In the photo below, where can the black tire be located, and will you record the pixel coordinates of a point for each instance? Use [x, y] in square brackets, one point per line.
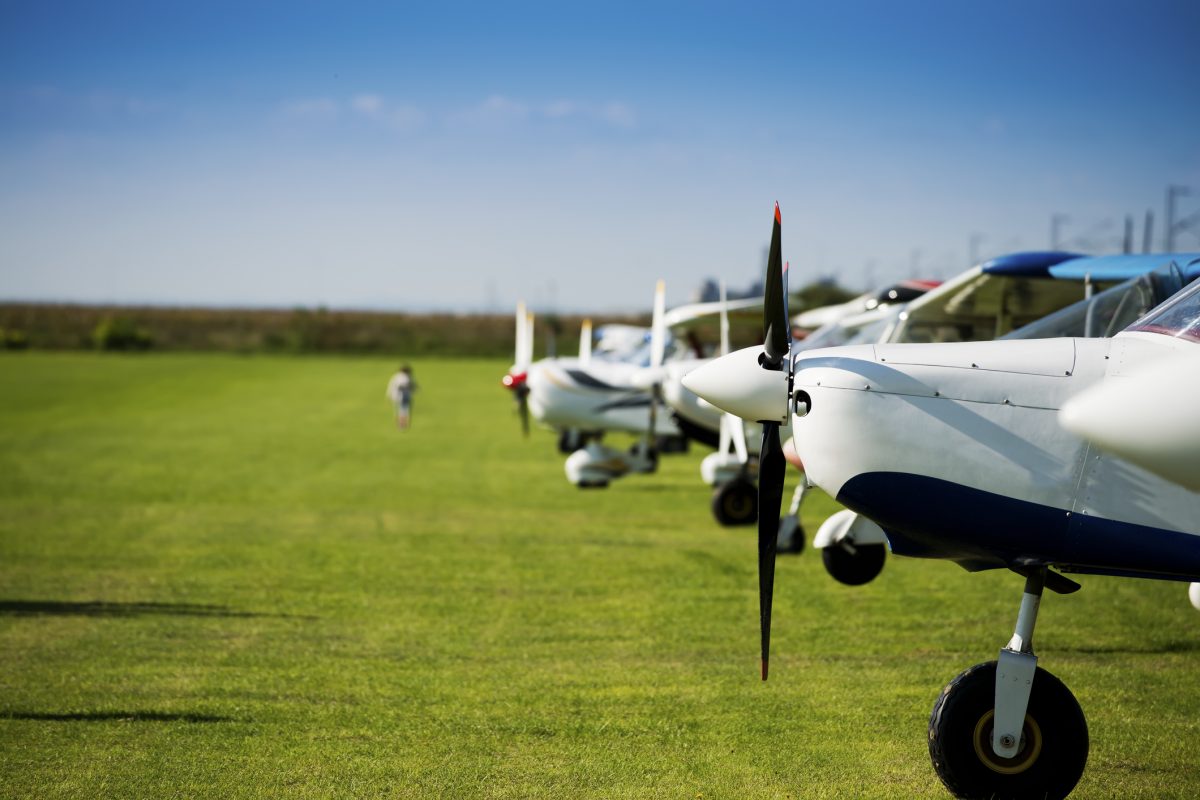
[735, 502]
[857, 568]
[797, 545]
[671, 444]
[636, 450]
[592, 484]
[1054, 741]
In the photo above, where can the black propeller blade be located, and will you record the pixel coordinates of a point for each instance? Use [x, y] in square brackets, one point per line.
[776, 345]
[770, 496]
[775, 322]
[523, 407]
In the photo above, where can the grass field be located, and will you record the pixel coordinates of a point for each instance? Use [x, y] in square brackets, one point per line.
[232, 577]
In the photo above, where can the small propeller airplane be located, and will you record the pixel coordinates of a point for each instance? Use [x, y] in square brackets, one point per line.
[886, 428]
[615, 387]
[853, 547]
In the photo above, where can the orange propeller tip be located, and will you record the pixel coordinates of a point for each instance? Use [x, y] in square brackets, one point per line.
[777, 219]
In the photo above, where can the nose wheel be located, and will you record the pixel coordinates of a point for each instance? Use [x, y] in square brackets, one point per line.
[854, 564]
[735, 502]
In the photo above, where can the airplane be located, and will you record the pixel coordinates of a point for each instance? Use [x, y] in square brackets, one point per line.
[610, 387]
[732, 470]
[901, 292]
[956, 452]
[852, 547]
[983, 302]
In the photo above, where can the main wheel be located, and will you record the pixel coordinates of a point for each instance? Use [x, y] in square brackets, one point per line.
[1053, 749]
[735, 502]
[854, 567]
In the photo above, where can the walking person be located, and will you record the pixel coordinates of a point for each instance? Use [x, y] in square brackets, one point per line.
[400, 390]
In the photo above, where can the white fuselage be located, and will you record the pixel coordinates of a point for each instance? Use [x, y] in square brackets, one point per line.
[956, 451]
[600, 396]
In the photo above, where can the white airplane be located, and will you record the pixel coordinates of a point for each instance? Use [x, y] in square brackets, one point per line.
[611, 387]
[732, 470]
[901, 292]
[982, 301]
[955, 450]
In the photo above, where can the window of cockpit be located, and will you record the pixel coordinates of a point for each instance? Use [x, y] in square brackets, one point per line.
[1178, 317]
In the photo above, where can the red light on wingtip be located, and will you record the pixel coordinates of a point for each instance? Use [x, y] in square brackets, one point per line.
[777, 219]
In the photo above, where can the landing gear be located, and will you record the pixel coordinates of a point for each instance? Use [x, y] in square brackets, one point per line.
[671, 444]
[1051, 751]
[791, 532]
[570, 440]
[643, 458]
[1008, 729]
[854, 564]
[735, 502]
[791, 535]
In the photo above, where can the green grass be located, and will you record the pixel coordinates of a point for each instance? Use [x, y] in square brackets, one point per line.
[232, 577]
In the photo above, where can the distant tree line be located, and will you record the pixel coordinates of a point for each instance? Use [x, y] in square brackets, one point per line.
[316, 330]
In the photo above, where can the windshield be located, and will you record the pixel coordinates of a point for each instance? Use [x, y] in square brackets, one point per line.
[858, 329]
[1110, 311]
[985, 308]
[620, 342]
[1178, 317]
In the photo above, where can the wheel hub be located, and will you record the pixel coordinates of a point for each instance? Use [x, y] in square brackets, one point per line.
[1028, 751]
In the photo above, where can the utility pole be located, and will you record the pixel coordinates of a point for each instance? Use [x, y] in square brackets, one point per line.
[1056, 223]
[1185, 224]
[973, 248]
[1147, 231]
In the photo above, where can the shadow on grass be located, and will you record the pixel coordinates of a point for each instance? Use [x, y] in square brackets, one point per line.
[113, 716]
[100, 608]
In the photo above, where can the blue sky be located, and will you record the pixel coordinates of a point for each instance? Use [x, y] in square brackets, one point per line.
[462, 156]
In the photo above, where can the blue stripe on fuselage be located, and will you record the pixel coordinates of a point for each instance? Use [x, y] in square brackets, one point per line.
[932, 518]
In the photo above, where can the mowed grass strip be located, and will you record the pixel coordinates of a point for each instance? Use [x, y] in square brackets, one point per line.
[231, 576]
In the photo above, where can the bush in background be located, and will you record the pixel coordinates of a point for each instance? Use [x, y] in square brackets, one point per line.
[120, 333]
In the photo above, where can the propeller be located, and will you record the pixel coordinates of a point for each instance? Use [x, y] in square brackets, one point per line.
[755, 384]
[658, 348]
[732, 429]
[517, 377]
[585, 343]
[776, 348]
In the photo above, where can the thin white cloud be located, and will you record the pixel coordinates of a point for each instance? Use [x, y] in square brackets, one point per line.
[498, 109]
[372, 107]
[618, 115]
[95, 103]
[398, 117]
[559, 109]
[368, 104]
[314, 108]
[405, 118]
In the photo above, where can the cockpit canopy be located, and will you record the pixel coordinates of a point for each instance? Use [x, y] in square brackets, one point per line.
[1178, 317]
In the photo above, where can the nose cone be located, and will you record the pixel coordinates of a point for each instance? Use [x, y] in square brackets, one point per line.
[737, 383]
